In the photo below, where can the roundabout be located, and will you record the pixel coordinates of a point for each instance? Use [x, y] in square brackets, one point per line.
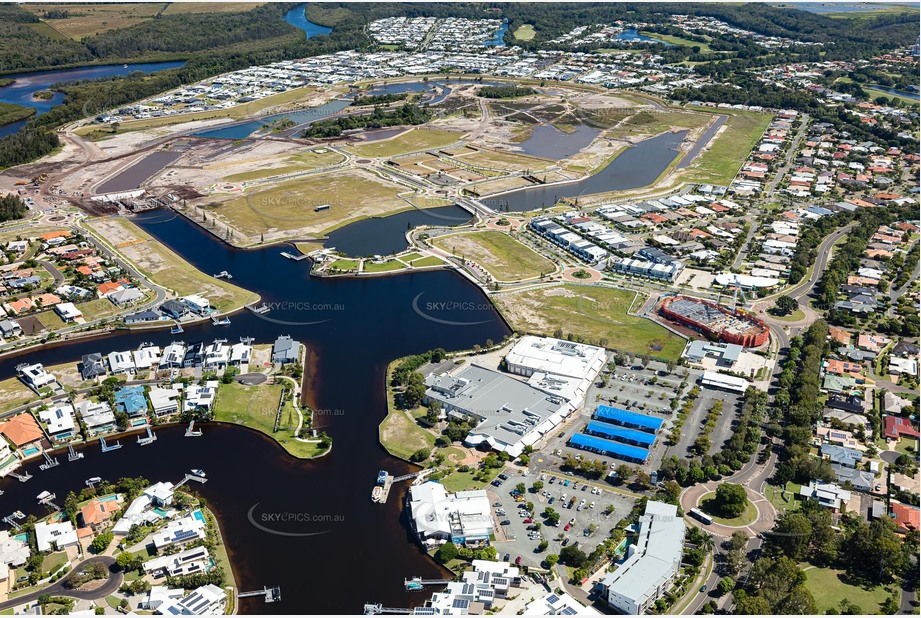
[757, 518]
[582, 275]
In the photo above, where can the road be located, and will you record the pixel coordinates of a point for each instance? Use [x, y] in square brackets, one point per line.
[788, 160]
[58, 589]
[895, 294]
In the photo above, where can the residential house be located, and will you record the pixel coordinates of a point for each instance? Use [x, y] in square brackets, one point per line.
[23, 431]
[120, 362]
[54, 536]
[59, 422]
[174, 309]
[200, 398]
[36, 378]
[165, 401]
[68, 312]
[96, 513]
[92, 366]
[97, 416]
[285, 350]
[861, 480]
[828, 495]
[131, 401]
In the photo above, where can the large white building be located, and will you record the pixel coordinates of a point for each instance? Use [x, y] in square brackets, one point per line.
[558, 604]
[208, 600]
[651, 563]
[476, 592]
[461, 518]
[555, 356]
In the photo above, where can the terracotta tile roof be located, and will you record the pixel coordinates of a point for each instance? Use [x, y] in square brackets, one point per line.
[22, 429]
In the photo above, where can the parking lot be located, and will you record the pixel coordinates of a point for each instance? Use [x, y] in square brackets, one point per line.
[590, 524]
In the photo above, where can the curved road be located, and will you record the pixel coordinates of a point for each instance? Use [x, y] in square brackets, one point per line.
[57, 589]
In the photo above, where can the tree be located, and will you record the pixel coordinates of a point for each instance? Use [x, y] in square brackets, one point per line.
[128, 562]
[551, 560]
[520, 488]
[542, 546]
[421, 455]
[890, 606]
[101, 542]
[552, 517]
[446, 553]
[573, 556]
[786, 305]
[730, 499]
[537, 486]
[726, 585]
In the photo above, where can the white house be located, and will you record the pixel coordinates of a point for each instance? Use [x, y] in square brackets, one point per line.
[60, 421]
[198, 304]
[460, 518]
[164, 400]
[36, 377]
[207, 600]
[187, 562]
[97, 416]
[120, 362]
[146, 357]
[179, 531]
[54, 536]
[160, 494]
[200, 397]
[68, 311]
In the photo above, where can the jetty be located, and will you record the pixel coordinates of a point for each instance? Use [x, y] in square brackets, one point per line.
[271, 595]
[374, 609]
[219, 321]
[260, 310]
[296, 258]
[49, 462]
[223, 275]
[150, 438]
[191, 477]
[109, 447]
[22, 478]
[416, 583]
[11, 519]
[191, 432]
[73, 455]
[381, 491]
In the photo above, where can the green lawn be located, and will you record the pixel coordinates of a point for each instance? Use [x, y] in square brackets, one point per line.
[344, 265]
[461, 481]
[831, 586]
[255, 407]
[54, 561]
[398, 433]
[796, 316]
[411, 141]
[505, 258]
[598, 314]
[775, 495]
[428, 261]
[748, 516]
[381, 267]
[722, 159]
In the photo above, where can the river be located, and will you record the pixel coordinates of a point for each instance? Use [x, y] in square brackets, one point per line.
[20, 92]
[297, 18]
[353, 329]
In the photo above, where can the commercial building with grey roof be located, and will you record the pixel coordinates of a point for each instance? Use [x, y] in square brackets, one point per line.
[651, 564]
[510, 414]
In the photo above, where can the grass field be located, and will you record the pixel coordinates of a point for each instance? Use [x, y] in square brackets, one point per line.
[92, 19]
[505, 258]
[677, 40]
[166, 268]
[176, 8]
[345, 265]
[13, 393]
[774, 494]
[381, 267]
[400, 435]
[876, 92]
[411, 141]
[830, 586]
[255, 407]
[290, 205]
[599, 314]
[525, 32]
[649, 123]
[428, 261]
[298, 163]
[462, 481]
[720, 161]
[748, 516]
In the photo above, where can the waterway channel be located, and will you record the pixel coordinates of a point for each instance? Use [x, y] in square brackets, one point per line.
[353, 329]
[26, 85]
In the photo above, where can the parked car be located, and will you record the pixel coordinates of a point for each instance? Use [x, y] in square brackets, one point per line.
[566, 528]
[518, 560]
[507, 558]
[529, 521]
[505, 522]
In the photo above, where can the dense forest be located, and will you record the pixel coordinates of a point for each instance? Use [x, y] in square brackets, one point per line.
[12, 207]
[379, 99]
[505, 92]
[407, 114]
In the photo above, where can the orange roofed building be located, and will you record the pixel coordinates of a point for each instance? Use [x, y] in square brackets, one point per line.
[22, 430]
[97, 512]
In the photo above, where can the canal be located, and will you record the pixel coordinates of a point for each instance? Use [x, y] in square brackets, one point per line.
[637, 166]
[26, 85]
[353, 328]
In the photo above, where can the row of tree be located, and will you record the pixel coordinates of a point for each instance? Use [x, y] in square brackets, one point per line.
[406, 114]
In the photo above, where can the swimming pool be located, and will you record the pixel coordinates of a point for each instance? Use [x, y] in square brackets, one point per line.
[28, 452]
[198, 515]
[161, 512]
[108, 498]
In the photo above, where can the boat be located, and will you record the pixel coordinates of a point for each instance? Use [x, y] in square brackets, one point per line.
[44, 496]
[176, 329]
[198, 472]
[414, 586]
[223, 275]
[377, 493]
[220, 321]
[124, 66]
[381, 477]
[94, 480]
[19, 515]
